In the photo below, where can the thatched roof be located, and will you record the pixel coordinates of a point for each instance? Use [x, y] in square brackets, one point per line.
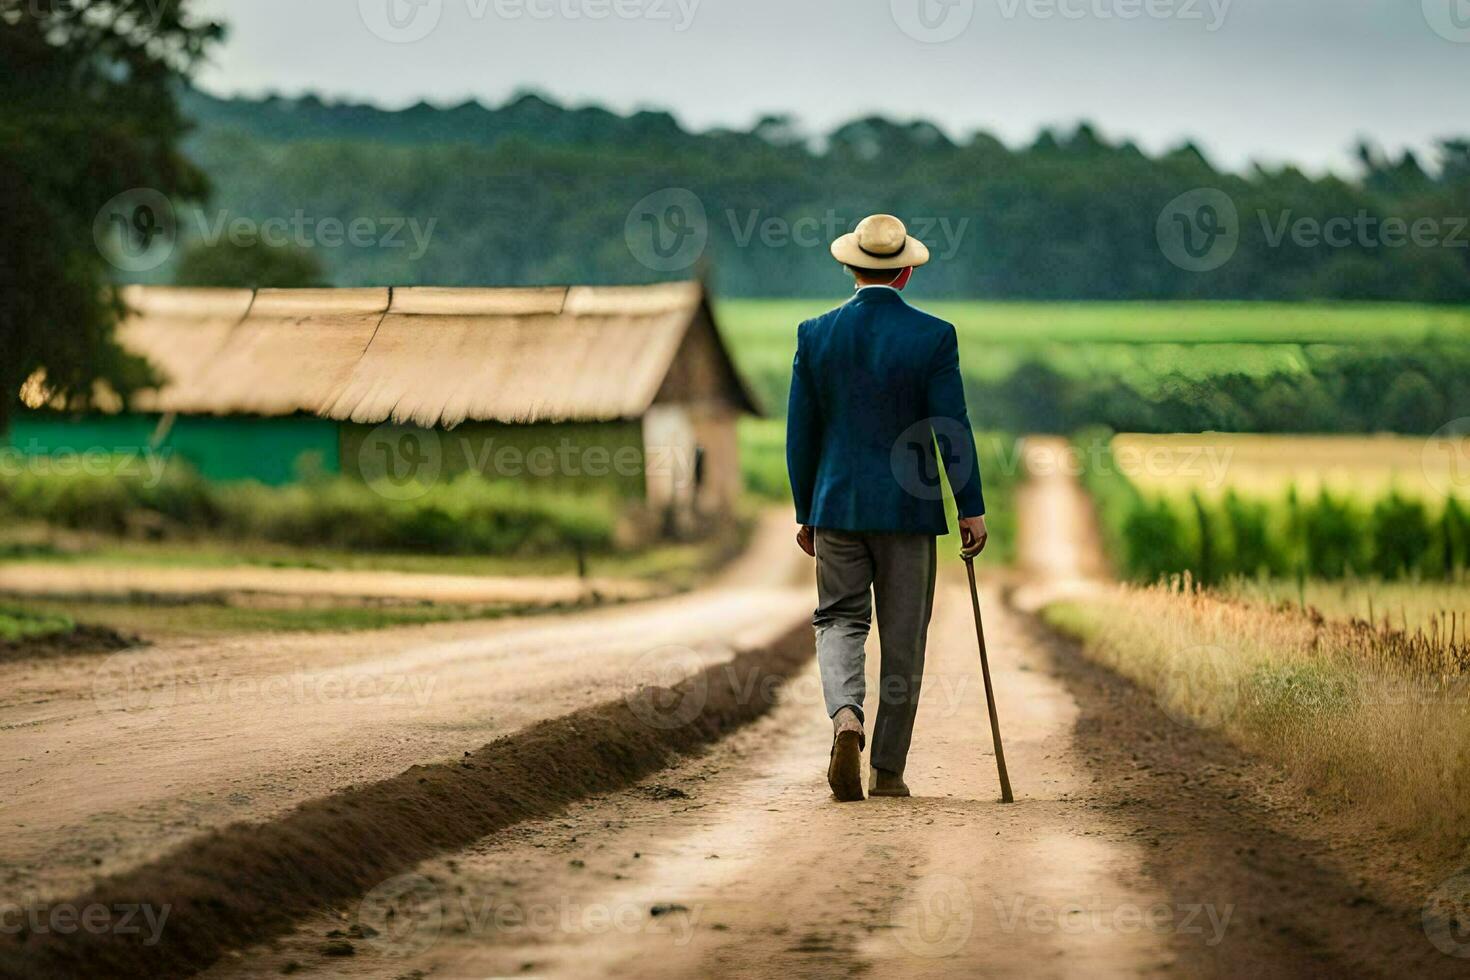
[422, 356]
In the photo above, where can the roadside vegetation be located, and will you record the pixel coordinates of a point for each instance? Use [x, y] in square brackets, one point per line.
[466, 526]
[1222, 507]
[153, 620]
[17, 625]
[1170, 367]
[1373, 718]
[1308, 598]
[464, 516]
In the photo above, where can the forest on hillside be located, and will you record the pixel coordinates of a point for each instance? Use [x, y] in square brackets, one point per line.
[533, 192]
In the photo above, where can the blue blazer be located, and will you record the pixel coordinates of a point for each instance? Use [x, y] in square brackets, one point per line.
[875, 386]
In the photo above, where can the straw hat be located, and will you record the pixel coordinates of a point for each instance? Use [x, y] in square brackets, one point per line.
[880, 242]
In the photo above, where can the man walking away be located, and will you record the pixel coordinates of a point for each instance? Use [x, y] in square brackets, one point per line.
[875, 385]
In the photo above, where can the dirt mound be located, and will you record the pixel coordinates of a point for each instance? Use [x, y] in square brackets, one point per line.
[249, 882]
[84, 639]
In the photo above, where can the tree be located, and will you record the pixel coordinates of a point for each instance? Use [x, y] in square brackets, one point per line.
[249, 266]
[91, 133]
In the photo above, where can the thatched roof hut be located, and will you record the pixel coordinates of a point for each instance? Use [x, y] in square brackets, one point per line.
[644, 361]
[426, 356]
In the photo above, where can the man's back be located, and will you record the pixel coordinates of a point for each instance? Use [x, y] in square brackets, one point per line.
[871, 379]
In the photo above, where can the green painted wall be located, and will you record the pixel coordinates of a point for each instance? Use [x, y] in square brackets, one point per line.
[271, 450]
[603, 457]
[594, 457]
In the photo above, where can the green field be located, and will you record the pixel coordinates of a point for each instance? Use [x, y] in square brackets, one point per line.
[1172, 367]
[1328, 507]
[764, 322]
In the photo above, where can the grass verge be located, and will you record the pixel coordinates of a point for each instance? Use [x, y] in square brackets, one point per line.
[1377, 721]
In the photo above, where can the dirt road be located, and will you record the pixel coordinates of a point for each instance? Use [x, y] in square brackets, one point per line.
[53, 580]
[767, 877]
[770, 878]
[1135, 847]
[111, 761]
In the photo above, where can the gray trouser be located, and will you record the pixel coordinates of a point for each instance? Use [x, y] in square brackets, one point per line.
[899, 569]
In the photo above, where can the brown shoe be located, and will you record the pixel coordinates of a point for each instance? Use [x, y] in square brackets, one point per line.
[845, 770]
[885, 783]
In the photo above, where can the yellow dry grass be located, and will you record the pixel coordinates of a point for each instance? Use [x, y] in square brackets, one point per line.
[1364, 467]
[1376, 723]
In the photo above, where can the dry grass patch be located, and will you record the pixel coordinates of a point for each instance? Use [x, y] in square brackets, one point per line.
[1378, 720]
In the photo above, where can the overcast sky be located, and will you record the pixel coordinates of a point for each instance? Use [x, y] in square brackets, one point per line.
[1270, 80]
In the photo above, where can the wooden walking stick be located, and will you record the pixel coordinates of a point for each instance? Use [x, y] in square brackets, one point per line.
[1000, 755]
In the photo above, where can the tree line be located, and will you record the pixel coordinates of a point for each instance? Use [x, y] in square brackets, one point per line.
[531, 192]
